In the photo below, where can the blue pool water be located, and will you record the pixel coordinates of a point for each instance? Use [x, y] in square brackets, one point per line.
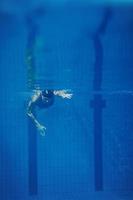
[87, 152]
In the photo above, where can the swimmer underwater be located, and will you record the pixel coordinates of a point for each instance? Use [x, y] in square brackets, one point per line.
[44, 99]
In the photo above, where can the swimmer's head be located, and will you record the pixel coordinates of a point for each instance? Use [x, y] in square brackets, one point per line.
[47, 92]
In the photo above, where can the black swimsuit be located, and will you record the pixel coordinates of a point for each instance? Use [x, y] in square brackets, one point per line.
[46, 99]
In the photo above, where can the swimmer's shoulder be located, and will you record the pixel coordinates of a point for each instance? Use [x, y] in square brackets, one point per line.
[36, 94]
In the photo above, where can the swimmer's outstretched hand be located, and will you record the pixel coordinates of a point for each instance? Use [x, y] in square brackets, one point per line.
[41, 129]
[64, 94]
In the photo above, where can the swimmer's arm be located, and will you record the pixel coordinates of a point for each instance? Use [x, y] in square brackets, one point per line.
[38, 125]
[30, 111]
[31, 103]
[30, 114]
[63, 93]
